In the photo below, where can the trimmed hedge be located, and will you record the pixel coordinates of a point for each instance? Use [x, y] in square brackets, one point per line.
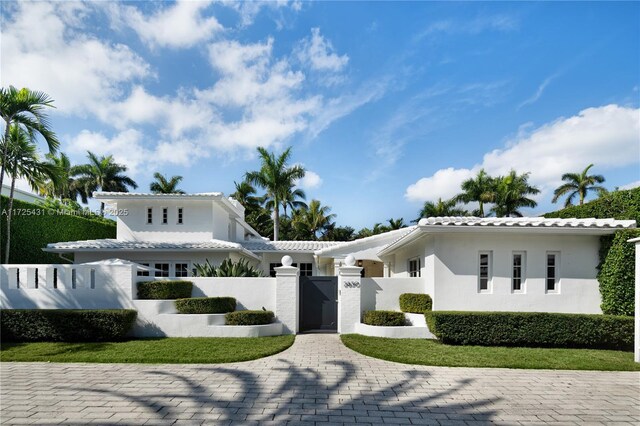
[616, 273]
[415, 303]
[624, 205]
[37, 226]
[166, 289]
[384, 318]
[206, 305]
[249, 318]
[534, 329]
[65, 325]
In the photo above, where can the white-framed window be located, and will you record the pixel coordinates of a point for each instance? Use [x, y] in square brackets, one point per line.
[272, 269]
[165, 215]
[552, 282]
[485, 271]
[182, 270]
[162, 269]
[306, 269]
[142, 273]
[149, 215]
[414, 267]
[180, 215]
[518, 271]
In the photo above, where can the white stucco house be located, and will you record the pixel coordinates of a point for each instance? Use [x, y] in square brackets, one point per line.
[464, 263]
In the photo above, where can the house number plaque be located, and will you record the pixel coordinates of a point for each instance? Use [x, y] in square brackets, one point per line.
[352, 284]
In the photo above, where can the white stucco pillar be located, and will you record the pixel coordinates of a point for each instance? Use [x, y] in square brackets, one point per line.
[636, 355]
[287, 295]
[349, 306]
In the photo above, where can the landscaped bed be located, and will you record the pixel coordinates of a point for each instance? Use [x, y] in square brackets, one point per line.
[431, 352]
[170, 350]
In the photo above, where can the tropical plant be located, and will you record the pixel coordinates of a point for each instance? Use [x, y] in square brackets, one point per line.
[245, 195]
[228, 268]
[396, 224]
[441, 208]
[66, 187]
[162, 185]
[275, 177]
[579, 184]
[480, 189]
[291, 197]
[511, 194]
[312, 220]
[339, 233]
[102, 173]
[26, 108]
[21, 161]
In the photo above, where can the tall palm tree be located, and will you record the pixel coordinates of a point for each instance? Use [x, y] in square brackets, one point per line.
[511, 194]
[162, 185]
[396, 224]
[579, 184]
[275, 177]
[66, 187]
[291, 197]
[102, 173]
[25, 107]
[313, 219]
[480, 189]
[21, 161]
[441, 208]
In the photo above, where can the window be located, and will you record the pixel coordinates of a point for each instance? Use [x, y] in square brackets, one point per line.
[414, 267]
[149, 215]
[272, 269]
[142, 273]
[484, 271]
[162, 269]
[180, 216]
[517, 274]
[306, 269]
[552, 272]
[165, 215]
[182, 270]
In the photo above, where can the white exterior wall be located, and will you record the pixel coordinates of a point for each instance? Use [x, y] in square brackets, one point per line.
[401, 262]
[198, 221]
[384, 293]
[456, 273]
[268, 258]
[221, 227]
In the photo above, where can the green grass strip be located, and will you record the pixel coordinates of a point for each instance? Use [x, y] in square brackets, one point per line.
[170, 350]
[430, 352]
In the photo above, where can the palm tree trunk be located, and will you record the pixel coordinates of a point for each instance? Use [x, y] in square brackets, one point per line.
[4, 150]
[481, 209]
[102, 209]
[276, 219]
[8, 245]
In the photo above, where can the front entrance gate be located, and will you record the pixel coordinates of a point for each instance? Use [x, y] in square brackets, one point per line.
[319, 303]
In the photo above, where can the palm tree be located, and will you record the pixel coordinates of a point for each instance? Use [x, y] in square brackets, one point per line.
[441, 208]
[162, 185]
[275, 177]
[291, 198]
[25, 107]
[578, 184]
[396, 224]
[21, 161]
[480, 189]
[313, 219]
[511, 194]
[66, 186]
[102, 173]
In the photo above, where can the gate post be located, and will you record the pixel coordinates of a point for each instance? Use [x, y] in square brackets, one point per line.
[348, 296]
[287, 295]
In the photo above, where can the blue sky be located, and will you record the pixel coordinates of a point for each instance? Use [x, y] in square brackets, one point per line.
[386, 104]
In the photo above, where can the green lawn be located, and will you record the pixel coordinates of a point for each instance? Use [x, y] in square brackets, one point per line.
[430, 352]
[174, 350]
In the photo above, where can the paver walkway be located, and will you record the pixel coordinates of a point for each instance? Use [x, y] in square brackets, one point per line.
[316, 381]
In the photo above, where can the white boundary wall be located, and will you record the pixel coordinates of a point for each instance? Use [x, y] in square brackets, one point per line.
[384, 293]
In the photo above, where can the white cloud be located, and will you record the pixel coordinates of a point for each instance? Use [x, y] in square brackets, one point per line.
[80, 72]
[311, 180]
[607, 136]
[631, 185]
[178, 26]
[319, 54]
[500, 23]
[538, 92]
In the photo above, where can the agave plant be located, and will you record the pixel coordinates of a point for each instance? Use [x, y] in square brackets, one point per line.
[228, 268]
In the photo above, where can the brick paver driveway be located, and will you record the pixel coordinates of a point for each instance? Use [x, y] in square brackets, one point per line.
[316, 381]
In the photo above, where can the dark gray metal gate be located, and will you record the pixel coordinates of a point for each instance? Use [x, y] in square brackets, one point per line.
[318, 303]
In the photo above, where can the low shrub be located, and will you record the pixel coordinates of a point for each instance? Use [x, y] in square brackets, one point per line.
[65, 325]
[384, 318]
[206, 305]
[535, 329]
[164, 289]
[415, 303]
[249, 318]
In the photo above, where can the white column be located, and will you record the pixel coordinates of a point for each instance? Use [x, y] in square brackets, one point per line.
[287, 295]
[636, 355]
[349, 306]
